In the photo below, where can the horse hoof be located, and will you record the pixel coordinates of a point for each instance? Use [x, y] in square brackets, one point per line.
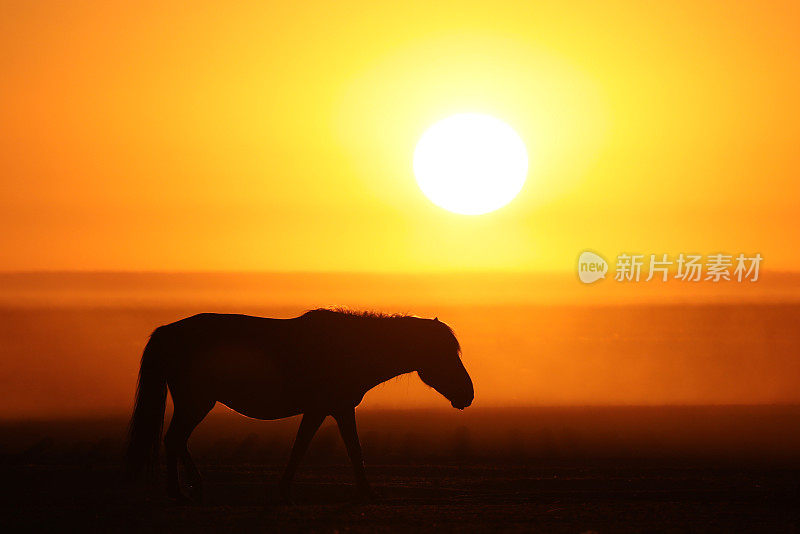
[179, 498]
[366, 496]
[196, 497]
[284, 498]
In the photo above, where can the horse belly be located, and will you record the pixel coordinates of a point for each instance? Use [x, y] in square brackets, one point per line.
[252, 383]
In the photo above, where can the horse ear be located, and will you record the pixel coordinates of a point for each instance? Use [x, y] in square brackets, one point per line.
[436, 319]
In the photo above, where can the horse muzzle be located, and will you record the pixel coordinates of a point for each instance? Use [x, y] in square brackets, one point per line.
[461, 404]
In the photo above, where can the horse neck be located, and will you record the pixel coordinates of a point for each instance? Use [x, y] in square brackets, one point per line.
[391, 355]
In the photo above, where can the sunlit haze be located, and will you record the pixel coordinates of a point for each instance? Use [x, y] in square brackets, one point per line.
[261, 136]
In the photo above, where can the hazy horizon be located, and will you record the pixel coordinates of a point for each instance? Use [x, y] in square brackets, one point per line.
[72, 342]
[373, 289]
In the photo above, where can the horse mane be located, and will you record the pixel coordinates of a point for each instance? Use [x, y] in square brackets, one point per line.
[373, 316]
[347, 313]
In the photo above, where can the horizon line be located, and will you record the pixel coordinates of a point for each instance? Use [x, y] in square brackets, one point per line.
[225, 411]
[320, 272]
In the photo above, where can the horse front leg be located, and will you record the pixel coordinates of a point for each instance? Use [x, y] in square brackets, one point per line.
[308, 427]
[346, 419]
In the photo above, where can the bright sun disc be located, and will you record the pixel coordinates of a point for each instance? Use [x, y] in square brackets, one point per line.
[470, 163]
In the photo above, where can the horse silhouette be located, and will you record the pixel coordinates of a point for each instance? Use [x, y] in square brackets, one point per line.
[318, 364]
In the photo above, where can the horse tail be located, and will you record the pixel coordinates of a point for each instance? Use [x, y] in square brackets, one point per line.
[147, 422]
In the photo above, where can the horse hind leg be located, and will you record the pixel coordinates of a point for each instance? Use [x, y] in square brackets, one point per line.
[308, 427]
[184, 420]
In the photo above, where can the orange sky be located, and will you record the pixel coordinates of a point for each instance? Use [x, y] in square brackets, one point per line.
[160, 136]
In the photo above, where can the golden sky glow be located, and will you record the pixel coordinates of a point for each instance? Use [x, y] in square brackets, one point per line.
[156, 136]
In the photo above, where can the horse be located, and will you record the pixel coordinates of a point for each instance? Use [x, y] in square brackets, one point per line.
[318, 364]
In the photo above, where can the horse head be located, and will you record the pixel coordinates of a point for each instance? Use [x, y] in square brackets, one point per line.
[440, 365]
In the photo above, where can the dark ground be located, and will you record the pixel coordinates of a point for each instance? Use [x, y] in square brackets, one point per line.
[702, 469]
[466, 498]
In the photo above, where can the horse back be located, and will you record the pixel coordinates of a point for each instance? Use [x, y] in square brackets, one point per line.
[262, 367]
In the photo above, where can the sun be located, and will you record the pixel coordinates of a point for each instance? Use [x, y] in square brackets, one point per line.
[470, 163]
